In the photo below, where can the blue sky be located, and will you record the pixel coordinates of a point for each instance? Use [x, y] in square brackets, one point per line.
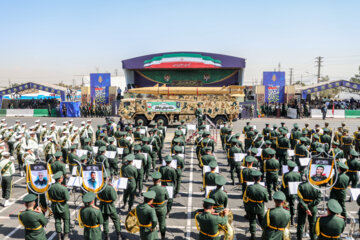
[56, 40]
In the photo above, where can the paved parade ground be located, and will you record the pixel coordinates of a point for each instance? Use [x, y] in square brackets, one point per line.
[180, 224]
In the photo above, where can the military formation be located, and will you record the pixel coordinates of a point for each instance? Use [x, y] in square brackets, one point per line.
[95, 110]
[258, 161]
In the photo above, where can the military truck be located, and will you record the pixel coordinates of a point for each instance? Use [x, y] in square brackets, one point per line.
[174, 108]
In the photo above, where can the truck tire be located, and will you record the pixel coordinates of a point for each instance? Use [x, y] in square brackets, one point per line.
[157, 118]
[219, 120]
[143, 118]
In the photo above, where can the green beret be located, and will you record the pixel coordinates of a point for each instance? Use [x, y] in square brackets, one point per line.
[168, 158]
[73, 147]
[237, 135]
[268, 142]
[156, 175]
[149, 195]
[335, 143]
[279, 195]
[260, 136]
[88, 197]
[343, 166]
[254, 150]
[326, 130]
[270, 151]
[296, 125]
[354, 153]
[29, 198]
[58, 175]
[87, 140]
[316, 136]
[320, 150]
[137, 147]
[220, 180]
[302, 139]
[177, 149]
[291, 164]
[209, 201]
[58, 154]
[206, 132]
[249, 159]
[130, 157]
[83, 158]
[334, 206]
[111, 139]
[102, 149]
[234, 140]
[145, 139]
[275, 126]
[256, 173]
[213, 164]
[127, 128]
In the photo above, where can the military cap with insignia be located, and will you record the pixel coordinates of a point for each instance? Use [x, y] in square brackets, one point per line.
[213, 164]
[343, 166]
[249, 159]
[302, 139]
[88, 197]
[168, 158]
[29, 198]
[234, 140]
[320, 150]
[111, 139]
[237, 135]
[149, 195]
[156, 175]
[275, 126]
[209, 201]
[220, 180]
[279, 195]
[58, 175]
[354, 153]
[334, 206]
[260, 136]
[102, 149]
[130, 157]
[177, 140]
[268, 142]
[291, 164]
[58, 154]
[145, 139]
[296, 125]
[83, 158]
[178, 133]
[137, 147]
[256, 173]
[316, 136]
[254, 150]
[177, 149]
[73, 147]
[127, 128]
[270, 151]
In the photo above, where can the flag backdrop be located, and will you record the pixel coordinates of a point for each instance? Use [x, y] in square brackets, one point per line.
[99, 85]
[274, 83]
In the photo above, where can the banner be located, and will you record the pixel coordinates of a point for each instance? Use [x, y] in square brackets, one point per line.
[92, 177]
[321, 170]
[99, 85]
[72, 109]
[163, 107]
[274, 83]
[38, 177]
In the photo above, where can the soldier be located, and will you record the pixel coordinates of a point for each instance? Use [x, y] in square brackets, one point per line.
[113, 162]
[295, 135]
[300, 151]
[219, 196]
[290, 176]
[101, 158]
[7, 169]
[141, 157]
[266, 131]
[130, 172]
[357, 139]
[49, 148]
[283, 127]
[246, 128]
[59, 166]
[223, 134]
[338, 191]
[326, 139]
[199, 114]
[254, 198]
[283, 144]
[28, 157]
[83, 133]
[309, 197]
[208, 223]
[101, 142]
[234, 166]
[315, 144]
[179, 169]
[59, 195]
[245, 174]
[73, 159]
[335, 151]
[273, 136]
[249, 137]
[98, 132]
[146, 216]
[10, 139]
[90, 129]
[354, 166]
[338, 135]
[145, 148]
[65, 144]
[271, 168]
[209, 177]
[107, 199]
[19, 149]
[346, 143]
[90, 218]
[32, 219]
[206, 142]
[277, 219]
[168, 178]
[125, 144]
[159, 202]
[332, 225]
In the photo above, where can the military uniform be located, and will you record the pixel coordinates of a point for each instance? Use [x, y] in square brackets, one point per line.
[219, 196]
[168, 178]
[354, 166]
[179, 168]
[7, 169]
[283, 144]
[346, 144]
[130, 172]
[141, 157]
[338, 191]
[295, 135]
[59, 166]
[146, 216]
[113, 162]
[209, 177]
[271, 168]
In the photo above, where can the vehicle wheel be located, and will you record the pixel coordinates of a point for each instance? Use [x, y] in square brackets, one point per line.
[157, 118]
[219, 120]
[143, 118]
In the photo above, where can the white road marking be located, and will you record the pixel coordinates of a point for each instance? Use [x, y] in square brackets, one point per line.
[189, 209]
[21, 197]
[13, 231]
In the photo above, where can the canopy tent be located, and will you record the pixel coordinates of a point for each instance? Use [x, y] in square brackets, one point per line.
[33, 85]
[328, 85]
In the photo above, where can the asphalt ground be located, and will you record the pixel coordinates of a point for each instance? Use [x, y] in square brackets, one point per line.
[180, 224]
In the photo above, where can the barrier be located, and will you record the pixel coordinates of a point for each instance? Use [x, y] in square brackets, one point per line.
[292, 113]
[2, 112]
[338, 113]
[352, 113]
[41, 113]
[19, 112]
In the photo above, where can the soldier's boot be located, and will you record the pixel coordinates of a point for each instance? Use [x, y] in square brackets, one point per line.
[162, 236]
[107, 236]
[59, 236]
[66, 236]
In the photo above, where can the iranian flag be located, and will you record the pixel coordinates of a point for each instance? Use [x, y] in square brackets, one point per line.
[182, 60]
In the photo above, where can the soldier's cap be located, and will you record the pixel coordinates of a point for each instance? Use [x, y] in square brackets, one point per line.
[260, 136]
[21, 132]
[155, 129]
[283, 132]
[296, 125]
[11, 127]
[75, 129]
[279, 195]
[335, 143]
[130, 157]
[291, 164]
[156, 175]
[199, 103]
[256, 131]
[267, 124]
[320, 150]
[140, 121]
[209, 202]
[250, 159]
[83, 158]
[254, 150]
[71, 120]
[73, 147]
[234, 140]
[316, 136]
[302, 139]
[200, 133]
[137, 147]
[160, 121]
[206, 132]
[66, 132]
[17, 121]
[58, 175]
[343, 123]
[18, 136]
[213, 164]
[334, 206]
[99, 126]
[122, 133]
[237, 135]
[5, 154]
[149, 195]
[87, 140]
[32, 133]
[65, 122]
[247, 123]
[270, 151]
[58, 154]
[24, 124]
[256, 173]
[177, 140]
[3, 120]
[127, 128]
[178, 132]
[138, 127]
[229, 130]
[220, 180]
[268, 142]
[83, 123]
[207, 149]
[37, 121]
[343, 166]
[168, 158]
[29, 198]
[275, 126]
[354, 153]
[27, 148]
[89, 120]
[306, 124]
[282, 123]
[88, 197]
[326, 130]
[304, 132]
[111, 139]
[202, 127]
[177, 149]
[102, 149]
[145, 139]
[102, 135]
[182, 121]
